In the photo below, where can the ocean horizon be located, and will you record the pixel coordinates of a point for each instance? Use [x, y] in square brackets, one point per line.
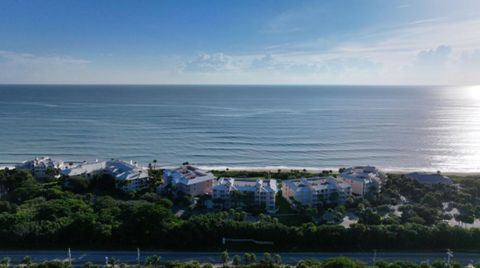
[398, 128]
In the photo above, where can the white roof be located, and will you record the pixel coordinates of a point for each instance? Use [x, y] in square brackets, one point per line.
[245, 185]
[122, 170]
[316, 184]
[40, 162]
[188, 175]
[362, 173]
[119, 169]
[83, 168]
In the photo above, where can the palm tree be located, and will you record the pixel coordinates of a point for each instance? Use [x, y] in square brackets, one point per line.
[27, 260]
[5, 262]
[114, 261]
[236, 260]
[153, 260]
[278, 259]
[225, 257]
[267, 257]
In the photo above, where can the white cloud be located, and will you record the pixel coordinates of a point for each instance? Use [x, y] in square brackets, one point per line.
[433, 57]
[28, 68]
[272, 68]
[434, 50]
[216, 62]
[410, 53]
[470, 59]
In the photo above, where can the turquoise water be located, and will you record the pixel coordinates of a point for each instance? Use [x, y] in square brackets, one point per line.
[396, 128]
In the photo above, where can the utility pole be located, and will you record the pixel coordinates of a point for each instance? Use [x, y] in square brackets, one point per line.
[70, 257]
[138, 257]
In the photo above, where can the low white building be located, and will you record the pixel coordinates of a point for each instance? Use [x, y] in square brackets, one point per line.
[363, 179]
[261, 192]
[316, 190]
[84, 169]
[40, 165]
[129, 176]
[189, 180]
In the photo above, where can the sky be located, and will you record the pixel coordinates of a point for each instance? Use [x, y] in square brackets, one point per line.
[394, 42]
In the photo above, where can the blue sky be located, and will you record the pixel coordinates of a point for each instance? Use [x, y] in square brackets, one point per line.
[240, 42]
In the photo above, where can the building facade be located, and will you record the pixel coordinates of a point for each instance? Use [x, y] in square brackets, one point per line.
[189, 180]
[363, 179]
[128, 176]
[40, 166]
[260, 193]
[314, 191]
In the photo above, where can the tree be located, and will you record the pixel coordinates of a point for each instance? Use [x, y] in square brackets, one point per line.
[424, 265]
[236, 260]
[225, 257]
[153, 261]
[113, 261]
[340, 262]
[267, 257]
[27, 260]
[368, 216]
[89, 265]
[278, 259]
[309, 263]
[247, 259]
[53, 264]
[5, 262]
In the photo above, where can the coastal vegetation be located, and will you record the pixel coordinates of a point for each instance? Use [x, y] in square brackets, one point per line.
[279, 174]
[249, 260]
[94, 214]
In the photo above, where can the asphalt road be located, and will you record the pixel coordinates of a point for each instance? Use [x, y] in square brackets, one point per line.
[98, 257]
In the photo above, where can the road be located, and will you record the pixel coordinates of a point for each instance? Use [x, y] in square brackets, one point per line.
[98, 257]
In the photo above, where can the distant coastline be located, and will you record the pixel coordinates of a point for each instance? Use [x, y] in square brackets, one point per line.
[283, 169]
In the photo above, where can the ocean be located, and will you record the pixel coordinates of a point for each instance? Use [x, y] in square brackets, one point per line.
[312, 127]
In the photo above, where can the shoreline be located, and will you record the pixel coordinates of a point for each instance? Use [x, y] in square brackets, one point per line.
[283, 169]
[274, 169]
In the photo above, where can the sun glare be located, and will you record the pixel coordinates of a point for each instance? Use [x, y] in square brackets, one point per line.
[473, 92]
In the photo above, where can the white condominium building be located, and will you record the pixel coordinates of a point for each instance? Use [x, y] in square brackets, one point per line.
[84, 169]
[128, 175]
[261, 192]
[189, 180]
[316, 190]
[39, 166]
[363, 179]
